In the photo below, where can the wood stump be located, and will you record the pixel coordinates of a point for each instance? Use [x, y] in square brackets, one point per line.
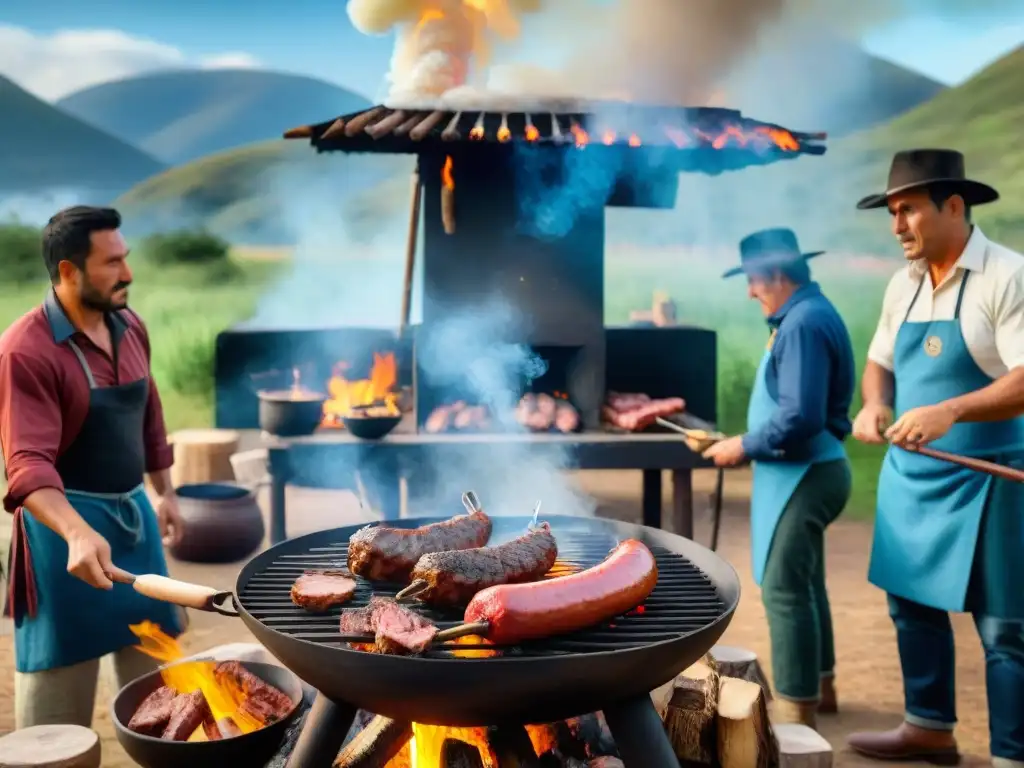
[741, 663]
[801, 746]
[51, 746]
[745, 738]
[203, 456]
[689, 713]
[375, 745]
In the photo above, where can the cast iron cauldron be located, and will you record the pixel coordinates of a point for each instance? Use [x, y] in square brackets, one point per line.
[250, 749]
[222, 523]
[291, 414]
[370, 427]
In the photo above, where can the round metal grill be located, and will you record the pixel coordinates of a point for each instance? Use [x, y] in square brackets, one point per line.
[683, 601]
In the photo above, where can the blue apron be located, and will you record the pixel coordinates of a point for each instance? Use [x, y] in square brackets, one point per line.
[59, 619]
[936, 522]
[774, 481]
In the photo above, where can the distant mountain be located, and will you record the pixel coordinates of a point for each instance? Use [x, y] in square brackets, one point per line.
[46, 151]
[179, 116]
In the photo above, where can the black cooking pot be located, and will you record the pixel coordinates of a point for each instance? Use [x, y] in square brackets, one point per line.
[222, 523]
[249, 749]
[370, 427]
[291, 414]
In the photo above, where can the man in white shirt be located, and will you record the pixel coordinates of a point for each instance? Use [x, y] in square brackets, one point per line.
[948, 357]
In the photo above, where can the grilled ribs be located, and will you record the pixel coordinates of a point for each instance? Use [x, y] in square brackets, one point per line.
[454, 577]
[379, 553]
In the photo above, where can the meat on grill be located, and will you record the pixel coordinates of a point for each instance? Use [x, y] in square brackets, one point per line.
[379, 553]
[395, 628]
[319, 591]
[153, 714]
[188, 711]
[519, 612]
[634, 412]
[567, 418]
[263, 701]
[454, 577]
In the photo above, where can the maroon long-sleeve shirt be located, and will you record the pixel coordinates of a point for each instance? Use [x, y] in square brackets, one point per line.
[44, 393]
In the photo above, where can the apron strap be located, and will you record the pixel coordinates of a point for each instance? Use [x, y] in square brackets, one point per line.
[22, 598]
[960, 296]
[81, 359]
[913, 301]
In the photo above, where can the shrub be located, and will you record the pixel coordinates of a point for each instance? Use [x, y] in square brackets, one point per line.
[21, 258]
[735, 383]
[185, 247]
[185, 361]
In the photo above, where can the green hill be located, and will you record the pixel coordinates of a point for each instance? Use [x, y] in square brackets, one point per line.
[179, 116]
[45, 150]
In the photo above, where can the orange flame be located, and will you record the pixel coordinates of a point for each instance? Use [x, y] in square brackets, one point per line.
[224, 696]
[447, 179]
[504, 134]
[608, 138]
[580, 135]
[532, 134]
[377, 394]
[634, 141]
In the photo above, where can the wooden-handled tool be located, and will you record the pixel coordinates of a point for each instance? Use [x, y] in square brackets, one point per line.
[979, 465]
[181, 593]
[697, 440]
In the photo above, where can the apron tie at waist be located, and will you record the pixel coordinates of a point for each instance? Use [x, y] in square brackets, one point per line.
[122, 509]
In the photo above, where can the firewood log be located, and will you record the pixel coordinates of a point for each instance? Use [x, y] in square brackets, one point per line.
[745, 738]
[606, 762]
[801, 746]
[741, 663]
[690, 713]
[375, 745]
[51, 746]
[512, 746]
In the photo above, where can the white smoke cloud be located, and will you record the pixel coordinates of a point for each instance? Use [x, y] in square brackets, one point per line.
[54, 65]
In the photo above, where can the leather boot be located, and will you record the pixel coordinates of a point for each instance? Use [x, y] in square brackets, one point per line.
[802, 712]
[828, 704]
[908, 742]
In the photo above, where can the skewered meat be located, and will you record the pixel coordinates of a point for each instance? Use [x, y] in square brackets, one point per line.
[319, 591]
[440, 419]
[395, 628]
[632, 413]
[154, 712]
[454, 577]
[567, 419]
[471, 417]
[262, 700]
[379, 553]
[188, 711]
[518, 612]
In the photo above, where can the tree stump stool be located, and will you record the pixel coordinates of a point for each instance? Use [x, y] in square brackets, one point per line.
[51, 746]
[741, 663]
[203, 456]
[801, 746]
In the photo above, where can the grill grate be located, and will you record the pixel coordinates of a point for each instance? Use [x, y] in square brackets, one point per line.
[683, 601]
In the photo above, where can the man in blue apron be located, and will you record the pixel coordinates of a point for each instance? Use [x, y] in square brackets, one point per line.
[948, 358]
[796, 423]
[80, 424]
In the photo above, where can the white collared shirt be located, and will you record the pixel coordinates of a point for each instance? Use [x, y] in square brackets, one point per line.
[991, 316]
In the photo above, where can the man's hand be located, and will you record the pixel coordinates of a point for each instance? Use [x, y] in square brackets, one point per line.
[871, 422]
[168, 516]
[89, 558]
[919, 426]
[727, 453]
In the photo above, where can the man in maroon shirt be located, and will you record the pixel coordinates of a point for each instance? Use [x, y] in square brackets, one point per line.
[80, 425]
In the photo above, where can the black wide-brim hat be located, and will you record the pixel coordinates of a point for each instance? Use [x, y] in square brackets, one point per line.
[769, 248]
[916, 168]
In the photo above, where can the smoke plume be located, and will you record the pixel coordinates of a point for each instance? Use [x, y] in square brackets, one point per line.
[653, 51]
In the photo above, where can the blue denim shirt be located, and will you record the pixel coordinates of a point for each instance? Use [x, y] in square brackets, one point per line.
[811, 375]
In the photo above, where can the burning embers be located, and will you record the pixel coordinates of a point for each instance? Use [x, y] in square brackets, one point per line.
[375, 396]
[203, 700]
[535, 413]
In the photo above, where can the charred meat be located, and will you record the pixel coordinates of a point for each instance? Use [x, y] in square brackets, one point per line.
[188, 711]
[153, 714]
[319, 591]
[395, 628]
[453, 578]
[379, 553]
[262, 700]
[635, 412]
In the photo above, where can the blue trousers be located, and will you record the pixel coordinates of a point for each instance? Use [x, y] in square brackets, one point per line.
[927, 655]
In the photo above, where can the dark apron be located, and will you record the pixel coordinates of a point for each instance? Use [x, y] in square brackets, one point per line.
[59, 619]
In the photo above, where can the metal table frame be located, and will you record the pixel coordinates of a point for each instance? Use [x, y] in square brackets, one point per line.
[289, 459]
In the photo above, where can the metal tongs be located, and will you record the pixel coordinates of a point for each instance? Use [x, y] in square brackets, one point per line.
[697, 440]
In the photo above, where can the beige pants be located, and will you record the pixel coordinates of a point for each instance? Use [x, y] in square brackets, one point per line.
[67, 695]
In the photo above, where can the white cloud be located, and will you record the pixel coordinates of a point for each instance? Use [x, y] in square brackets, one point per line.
[52, 66]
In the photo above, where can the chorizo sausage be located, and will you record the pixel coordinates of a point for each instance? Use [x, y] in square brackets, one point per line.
[519, 612]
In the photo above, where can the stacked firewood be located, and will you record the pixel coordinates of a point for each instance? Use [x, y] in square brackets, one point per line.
[716, 715]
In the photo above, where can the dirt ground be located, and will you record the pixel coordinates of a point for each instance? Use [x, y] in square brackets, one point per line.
[868, 676]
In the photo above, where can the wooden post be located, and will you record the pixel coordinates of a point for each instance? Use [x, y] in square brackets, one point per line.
[410, 250]
[51, 746]
[689, 713]
[745, 738]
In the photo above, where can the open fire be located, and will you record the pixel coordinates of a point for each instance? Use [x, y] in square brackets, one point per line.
[375, 396]
[202, 700]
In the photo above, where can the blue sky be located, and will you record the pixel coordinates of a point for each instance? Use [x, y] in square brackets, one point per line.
[315, 37]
